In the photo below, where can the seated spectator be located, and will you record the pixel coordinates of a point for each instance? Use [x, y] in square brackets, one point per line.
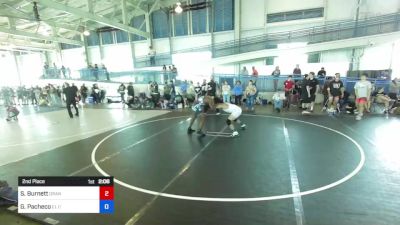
[277, 100]
[381, 98]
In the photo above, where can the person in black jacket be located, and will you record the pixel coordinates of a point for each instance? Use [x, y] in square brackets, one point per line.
[70, 98]
[131, 95]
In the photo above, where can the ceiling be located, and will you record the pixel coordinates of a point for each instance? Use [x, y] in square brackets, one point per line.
[63, 21]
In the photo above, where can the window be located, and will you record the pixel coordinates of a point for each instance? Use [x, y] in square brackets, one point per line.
[107, 38]
[122, 36]
[181, 23]
[295, 15]
[223, 15]
[199, 19]
[69, 46]
[269, 61]
[93, 39]
[314, 57]
[160, 24]
[138, 22]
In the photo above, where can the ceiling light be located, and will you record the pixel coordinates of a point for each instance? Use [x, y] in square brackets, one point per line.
[86, 33]
[178, 8]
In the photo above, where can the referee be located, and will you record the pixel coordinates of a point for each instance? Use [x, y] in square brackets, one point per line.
[70, 98]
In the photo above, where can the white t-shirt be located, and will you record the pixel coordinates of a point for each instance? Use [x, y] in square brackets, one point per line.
[232, 108]
[362, 88]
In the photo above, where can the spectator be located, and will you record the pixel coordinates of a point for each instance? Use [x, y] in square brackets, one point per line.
[250, 92]
[197, 89]
[152, 55]
[380, 97]
[226, 92]
[288, 86]
[164, 68]
[276, 73]
[238, 93]
[297, 71]
[336, 92]
[104, 68]
[204, 88]
[325, 92]
[321, 73]
[278, 99]
[254, 74]
[96, 72]
[245, 72]
[184, 87]
[313, 88]
[191, 94]
[394, 89]
[167, 91]
[84, 93]
[96, 94]
[64, 71]
[121, 91]
[174, 69]
[362, 89]
[131, 95]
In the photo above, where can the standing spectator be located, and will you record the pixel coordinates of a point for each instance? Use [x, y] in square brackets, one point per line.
[174, 69]
[238, 93]
[173, 91]
[254, 74]
[191, 94]
[325, 92]
[197, 89]
[121, 91]
[63, 71]
[362, 89]
[53, 96]
[84, 93]
[313, 87]
[167, 91]
[184, 87]
[68, 72]
[276, 73]
[305, 94]
[250, 92]
[297, 71]
[204, 88]
[212, 88]
[104, 68]
[20, 95]
[226, 92]
[152, 55]
[288, 86]
[131, 95]
[96, 72]
[394, 89]
[164, 68]
[245, 72]
[336, 92]
[37, 92]
[321, 73]
[70, 99]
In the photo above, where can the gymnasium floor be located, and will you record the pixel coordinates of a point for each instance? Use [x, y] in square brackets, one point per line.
[283, 169]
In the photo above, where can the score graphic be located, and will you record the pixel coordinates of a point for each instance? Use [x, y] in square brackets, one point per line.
[66, 195]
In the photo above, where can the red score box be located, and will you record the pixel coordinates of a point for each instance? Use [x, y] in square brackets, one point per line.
[106, 193]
